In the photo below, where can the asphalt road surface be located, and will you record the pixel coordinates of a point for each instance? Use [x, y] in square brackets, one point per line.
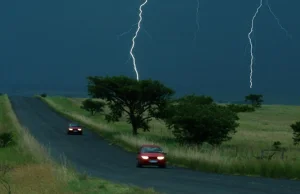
[91, 154]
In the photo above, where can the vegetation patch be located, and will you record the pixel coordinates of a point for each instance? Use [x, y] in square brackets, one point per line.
[248, 139]
[25, 166]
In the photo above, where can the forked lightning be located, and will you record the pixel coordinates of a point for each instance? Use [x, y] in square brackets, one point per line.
[251, 31]
[278, 21]
[122, 34]
[135, 36]
[250, 40]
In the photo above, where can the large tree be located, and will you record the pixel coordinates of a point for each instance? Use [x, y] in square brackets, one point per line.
[139, 100]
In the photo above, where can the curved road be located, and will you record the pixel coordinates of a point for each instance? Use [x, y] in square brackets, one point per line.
[89, 153]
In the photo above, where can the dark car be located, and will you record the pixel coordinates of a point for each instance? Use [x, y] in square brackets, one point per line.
[151, 155]
[74, 128]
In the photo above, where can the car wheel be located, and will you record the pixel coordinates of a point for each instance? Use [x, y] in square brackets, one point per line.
[162, 166]
[80, 133]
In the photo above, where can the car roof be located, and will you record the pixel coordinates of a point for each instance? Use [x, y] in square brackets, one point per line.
[74, 124]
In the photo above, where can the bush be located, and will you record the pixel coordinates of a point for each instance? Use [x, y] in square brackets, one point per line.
[241, 108]
[44, 95]
[277, 145]
[196, 124]
[6, 139]
[195, 100]
[296, 132]
[255, 99]
[92, 106]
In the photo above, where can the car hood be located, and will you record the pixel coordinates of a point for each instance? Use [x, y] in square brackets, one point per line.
[152, 154]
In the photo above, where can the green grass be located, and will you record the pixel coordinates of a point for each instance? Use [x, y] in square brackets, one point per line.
[34, 172]
[257, 132]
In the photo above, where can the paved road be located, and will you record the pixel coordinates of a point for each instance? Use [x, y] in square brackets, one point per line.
[95, 156]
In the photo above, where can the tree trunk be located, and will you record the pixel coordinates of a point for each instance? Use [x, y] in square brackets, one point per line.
[134, 129]
[133, 124]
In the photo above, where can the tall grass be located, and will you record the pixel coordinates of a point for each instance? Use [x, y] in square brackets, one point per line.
[34, 172]
[241, 155]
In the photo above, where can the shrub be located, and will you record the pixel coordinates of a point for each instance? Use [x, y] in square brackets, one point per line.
[196, 100]
[255, 99]
[196, 124]
[296, 132]
[241, 108]
[92, 106]
[44, 95]
[6, 139]
[277, 145]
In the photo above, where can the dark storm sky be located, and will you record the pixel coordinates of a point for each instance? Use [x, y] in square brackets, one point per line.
[53, 45]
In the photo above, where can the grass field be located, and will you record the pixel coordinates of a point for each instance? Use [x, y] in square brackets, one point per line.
[256, 133]
[33, 172]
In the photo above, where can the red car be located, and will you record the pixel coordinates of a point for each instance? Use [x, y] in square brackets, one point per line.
[151, 155]
[74, 128]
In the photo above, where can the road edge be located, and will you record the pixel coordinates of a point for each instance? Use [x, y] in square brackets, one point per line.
[64, 166]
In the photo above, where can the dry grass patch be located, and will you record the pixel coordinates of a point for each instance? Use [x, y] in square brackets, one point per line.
[35, 179]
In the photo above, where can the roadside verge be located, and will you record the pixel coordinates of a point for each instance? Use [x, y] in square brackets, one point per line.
[240, 157]
[29, 169]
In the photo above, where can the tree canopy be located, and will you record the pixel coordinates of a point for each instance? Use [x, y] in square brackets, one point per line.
[196, 119]
[92, 106]
[195, 99]
[140, 101]
[255, 99]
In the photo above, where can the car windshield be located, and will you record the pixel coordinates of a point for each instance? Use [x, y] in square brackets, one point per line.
[151, 149]
[73, 125]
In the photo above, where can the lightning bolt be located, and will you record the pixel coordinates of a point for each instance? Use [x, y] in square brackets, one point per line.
[251, 31]
[135, 36]
[250, 40]
[278, 21]
[127, 32]
[197, 19]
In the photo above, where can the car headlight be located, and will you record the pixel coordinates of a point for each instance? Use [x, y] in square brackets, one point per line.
[160, 157]
[70, 129]
[79, 129]
[145, 157]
